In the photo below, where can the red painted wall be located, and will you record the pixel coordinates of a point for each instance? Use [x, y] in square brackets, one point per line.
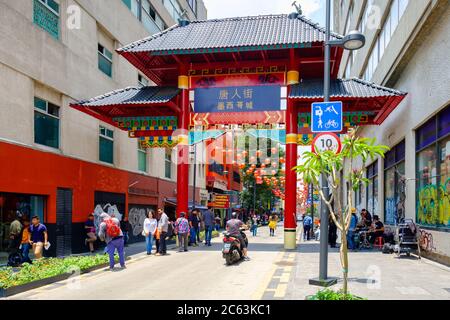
[25, 170]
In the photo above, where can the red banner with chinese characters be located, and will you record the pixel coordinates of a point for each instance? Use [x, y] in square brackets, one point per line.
[235, 80]
[265, 117]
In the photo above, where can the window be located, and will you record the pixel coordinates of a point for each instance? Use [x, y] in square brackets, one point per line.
[372, 189]
[142, 158]
[396, 11]
[46, 16]
[193, 5]
[433, 171]
[142, 81]
[46, 123]
[146, 13]
[174, 9]
[349, 19]
[105, 60]
[394, 185]
[168, 164]
[106, 145]
[348, 69]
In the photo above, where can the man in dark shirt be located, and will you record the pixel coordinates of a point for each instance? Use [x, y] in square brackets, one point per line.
[195, 228]
[125, 227]
[208, 219]
[38, 237]
[377, 229]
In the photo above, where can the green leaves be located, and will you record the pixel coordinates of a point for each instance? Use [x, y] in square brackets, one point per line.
[328, 294]
[46, 268]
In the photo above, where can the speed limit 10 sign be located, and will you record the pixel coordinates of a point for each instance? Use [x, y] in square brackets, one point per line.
[326, 141]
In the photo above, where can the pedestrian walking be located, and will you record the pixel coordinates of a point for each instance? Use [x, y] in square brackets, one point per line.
[110, 232]
[208, 220]
[182, 231]
[89, 228]
[307, 225]
[150, 227]
[163, 227]
[25, 244]
[332, 232]
[218, 222]
[38, 237]
[254, 225]
[15, 229]
[273, 220]
[351, 231]
[125, 227]
[193, 224]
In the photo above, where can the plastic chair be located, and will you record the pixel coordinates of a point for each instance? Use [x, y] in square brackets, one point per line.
[379, 242]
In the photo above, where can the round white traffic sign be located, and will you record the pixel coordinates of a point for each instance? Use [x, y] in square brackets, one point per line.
[327, 141]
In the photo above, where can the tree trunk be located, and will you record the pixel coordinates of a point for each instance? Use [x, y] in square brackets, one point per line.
[344, 254]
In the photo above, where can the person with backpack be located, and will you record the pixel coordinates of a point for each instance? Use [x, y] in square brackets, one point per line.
[307, 225]
[182, 230]
[110, 232]
[149, 231]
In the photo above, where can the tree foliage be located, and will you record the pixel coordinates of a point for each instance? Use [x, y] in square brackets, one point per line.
[330, 164]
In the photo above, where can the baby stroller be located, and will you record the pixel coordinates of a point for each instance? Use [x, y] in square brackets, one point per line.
[406, 238]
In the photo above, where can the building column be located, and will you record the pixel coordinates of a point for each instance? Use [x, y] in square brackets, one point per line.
[290, 213]
[183, 144]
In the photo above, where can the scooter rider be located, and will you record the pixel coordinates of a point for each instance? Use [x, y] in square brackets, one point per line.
[233, 228]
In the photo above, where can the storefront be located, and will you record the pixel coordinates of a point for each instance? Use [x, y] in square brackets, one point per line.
[11, 203]
[394, 184]
[433, 172]
[372, 188]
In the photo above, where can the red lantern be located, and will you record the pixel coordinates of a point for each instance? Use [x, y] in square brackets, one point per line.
[282, 160]
[258, 153]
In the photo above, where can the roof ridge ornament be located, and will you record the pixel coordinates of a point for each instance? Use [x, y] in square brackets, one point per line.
[298, 7]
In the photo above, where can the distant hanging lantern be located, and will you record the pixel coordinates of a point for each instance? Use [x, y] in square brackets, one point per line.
[268, 161]
[282, 160]
[258, 153]
[274, 150]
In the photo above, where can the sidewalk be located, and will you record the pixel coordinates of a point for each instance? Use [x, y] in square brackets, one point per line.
[372, 275]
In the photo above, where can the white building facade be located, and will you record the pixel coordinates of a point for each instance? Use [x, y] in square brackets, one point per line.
[407, 45]
[55, 52]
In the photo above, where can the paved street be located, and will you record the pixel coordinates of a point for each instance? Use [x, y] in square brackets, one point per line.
[272, 273]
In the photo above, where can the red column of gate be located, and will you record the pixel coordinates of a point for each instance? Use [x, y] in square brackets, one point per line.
[290, 224]
[183, 144]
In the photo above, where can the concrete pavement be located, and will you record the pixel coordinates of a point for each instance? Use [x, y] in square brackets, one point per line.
[272, 273]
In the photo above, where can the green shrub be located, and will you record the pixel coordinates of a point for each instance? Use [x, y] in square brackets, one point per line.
[46, 268]
[328, 294]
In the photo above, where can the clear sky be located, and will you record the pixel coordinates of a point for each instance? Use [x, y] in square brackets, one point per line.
[313, 9]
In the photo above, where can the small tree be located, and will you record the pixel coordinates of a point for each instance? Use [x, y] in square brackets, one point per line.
[330, 164]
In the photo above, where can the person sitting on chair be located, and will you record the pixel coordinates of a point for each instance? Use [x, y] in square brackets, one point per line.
[377, 229]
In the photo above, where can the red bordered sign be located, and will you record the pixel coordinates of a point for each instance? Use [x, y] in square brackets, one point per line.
[327, 141]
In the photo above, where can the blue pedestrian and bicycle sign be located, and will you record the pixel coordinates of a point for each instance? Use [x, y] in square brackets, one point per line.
[327, 117]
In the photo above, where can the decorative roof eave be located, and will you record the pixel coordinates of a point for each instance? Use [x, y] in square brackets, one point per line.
[352, 92]
[147, 101]
[227, 49]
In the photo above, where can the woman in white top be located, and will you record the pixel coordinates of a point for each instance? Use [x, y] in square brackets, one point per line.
[150, 224]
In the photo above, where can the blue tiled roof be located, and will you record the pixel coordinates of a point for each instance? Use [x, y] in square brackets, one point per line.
[133, 95]
[341, 88]
[245, 33]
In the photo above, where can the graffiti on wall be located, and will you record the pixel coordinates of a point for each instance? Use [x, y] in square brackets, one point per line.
[433, 206]
[426, 241]
[136, 217]
[109, 209]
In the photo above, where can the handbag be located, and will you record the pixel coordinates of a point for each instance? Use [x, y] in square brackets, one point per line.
[156, 234]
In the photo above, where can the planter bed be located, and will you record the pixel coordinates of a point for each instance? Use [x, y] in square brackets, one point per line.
[16, 289]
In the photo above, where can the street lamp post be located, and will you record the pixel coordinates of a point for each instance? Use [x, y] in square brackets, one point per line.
[353, 41]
